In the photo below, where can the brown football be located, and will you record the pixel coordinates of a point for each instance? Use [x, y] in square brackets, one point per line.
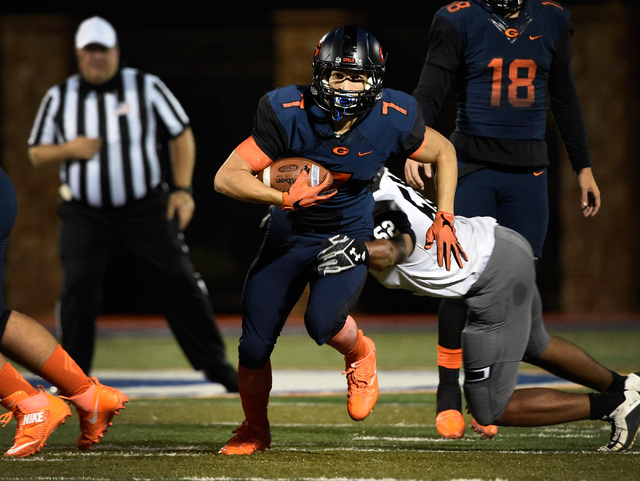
[283, 173]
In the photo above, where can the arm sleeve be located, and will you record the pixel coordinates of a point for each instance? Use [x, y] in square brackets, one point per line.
[565, 105]
[440, 66]
[253, 155]
[433, 87]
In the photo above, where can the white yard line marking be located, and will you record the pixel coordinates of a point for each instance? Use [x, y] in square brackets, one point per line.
[188, 383]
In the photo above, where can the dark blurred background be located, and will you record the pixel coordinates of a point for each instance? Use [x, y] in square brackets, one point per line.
[219, 61]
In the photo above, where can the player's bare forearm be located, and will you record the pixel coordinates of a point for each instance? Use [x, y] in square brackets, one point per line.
[385, 253]
[446, 179]
[236, 179]
[437, 150]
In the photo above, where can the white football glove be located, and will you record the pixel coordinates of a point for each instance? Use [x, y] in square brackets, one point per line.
[342, 253]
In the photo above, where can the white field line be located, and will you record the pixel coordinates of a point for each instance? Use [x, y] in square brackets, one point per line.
[188, 383]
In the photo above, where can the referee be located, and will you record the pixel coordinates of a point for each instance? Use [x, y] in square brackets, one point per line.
[105, 127]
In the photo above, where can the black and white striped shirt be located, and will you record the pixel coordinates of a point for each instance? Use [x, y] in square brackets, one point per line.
[125, 113]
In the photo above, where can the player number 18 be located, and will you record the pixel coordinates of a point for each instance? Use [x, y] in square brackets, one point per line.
[521, 74]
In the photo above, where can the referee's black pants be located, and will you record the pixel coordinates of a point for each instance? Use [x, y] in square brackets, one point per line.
[89, 238]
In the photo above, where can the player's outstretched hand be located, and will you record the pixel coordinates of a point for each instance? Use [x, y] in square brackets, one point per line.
[444, 235]
[301, 195]
[341, 253]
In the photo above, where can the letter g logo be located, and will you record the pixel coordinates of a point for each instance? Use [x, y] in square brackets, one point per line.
[340, 151]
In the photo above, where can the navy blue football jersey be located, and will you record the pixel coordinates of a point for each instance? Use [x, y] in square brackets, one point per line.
[505, 64]
[288, 123]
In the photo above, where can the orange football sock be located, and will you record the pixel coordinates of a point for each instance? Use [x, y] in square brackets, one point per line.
[348, 341]
[360, 350]
[449, 358]
[255, 387]
[63, 372]
[12, 381]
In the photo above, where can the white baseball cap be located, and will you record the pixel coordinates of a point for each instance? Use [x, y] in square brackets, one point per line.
[96, 30]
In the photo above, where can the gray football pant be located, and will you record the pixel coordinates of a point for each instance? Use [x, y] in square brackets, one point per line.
[504, 326]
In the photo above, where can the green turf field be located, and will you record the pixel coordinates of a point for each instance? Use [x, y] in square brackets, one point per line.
[313, 437]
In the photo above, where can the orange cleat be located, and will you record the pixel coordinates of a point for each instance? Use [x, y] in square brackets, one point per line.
[487, 432]
[450, 424]
[248, 439]
[96, 407]
[37, 416]
[362, 384]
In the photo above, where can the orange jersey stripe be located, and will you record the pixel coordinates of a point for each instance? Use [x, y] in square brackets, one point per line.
[553, 4]
[253, 155]
[419, 149]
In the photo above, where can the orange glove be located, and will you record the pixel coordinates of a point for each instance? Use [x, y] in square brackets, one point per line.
[300, 195]
[443, 232]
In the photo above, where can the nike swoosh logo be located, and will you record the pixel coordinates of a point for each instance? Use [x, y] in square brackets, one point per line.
[362, 154]
[93, 419]
[22, 446]
[538, 173]
[531, 37]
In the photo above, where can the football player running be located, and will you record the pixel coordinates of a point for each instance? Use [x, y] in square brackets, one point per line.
[29, 343]
[347, 122]
[510, 60]
[504, 327]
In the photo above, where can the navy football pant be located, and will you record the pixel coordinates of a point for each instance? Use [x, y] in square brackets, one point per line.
[505, 326]
[8, 212]
[276, 280]
[518, 201]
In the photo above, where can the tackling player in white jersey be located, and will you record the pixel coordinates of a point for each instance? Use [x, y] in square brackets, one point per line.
[505, 323]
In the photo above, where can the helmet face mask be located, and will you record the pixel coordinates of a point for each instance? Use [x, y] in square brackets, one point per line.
[347, 49]
[504, 7]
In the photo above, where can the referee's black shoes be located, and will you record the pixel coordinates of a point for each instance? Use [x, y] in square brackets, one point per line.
[224, 374]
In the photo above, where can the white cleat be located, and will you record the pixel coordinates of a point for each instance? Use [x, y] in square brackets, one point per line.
[625, 423]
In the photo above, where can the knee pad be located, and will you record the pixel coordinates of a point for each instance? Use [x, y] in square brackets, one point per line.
[478, 396]
[323, 332]
[254, 353]
[489, 389]
[319, 328]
